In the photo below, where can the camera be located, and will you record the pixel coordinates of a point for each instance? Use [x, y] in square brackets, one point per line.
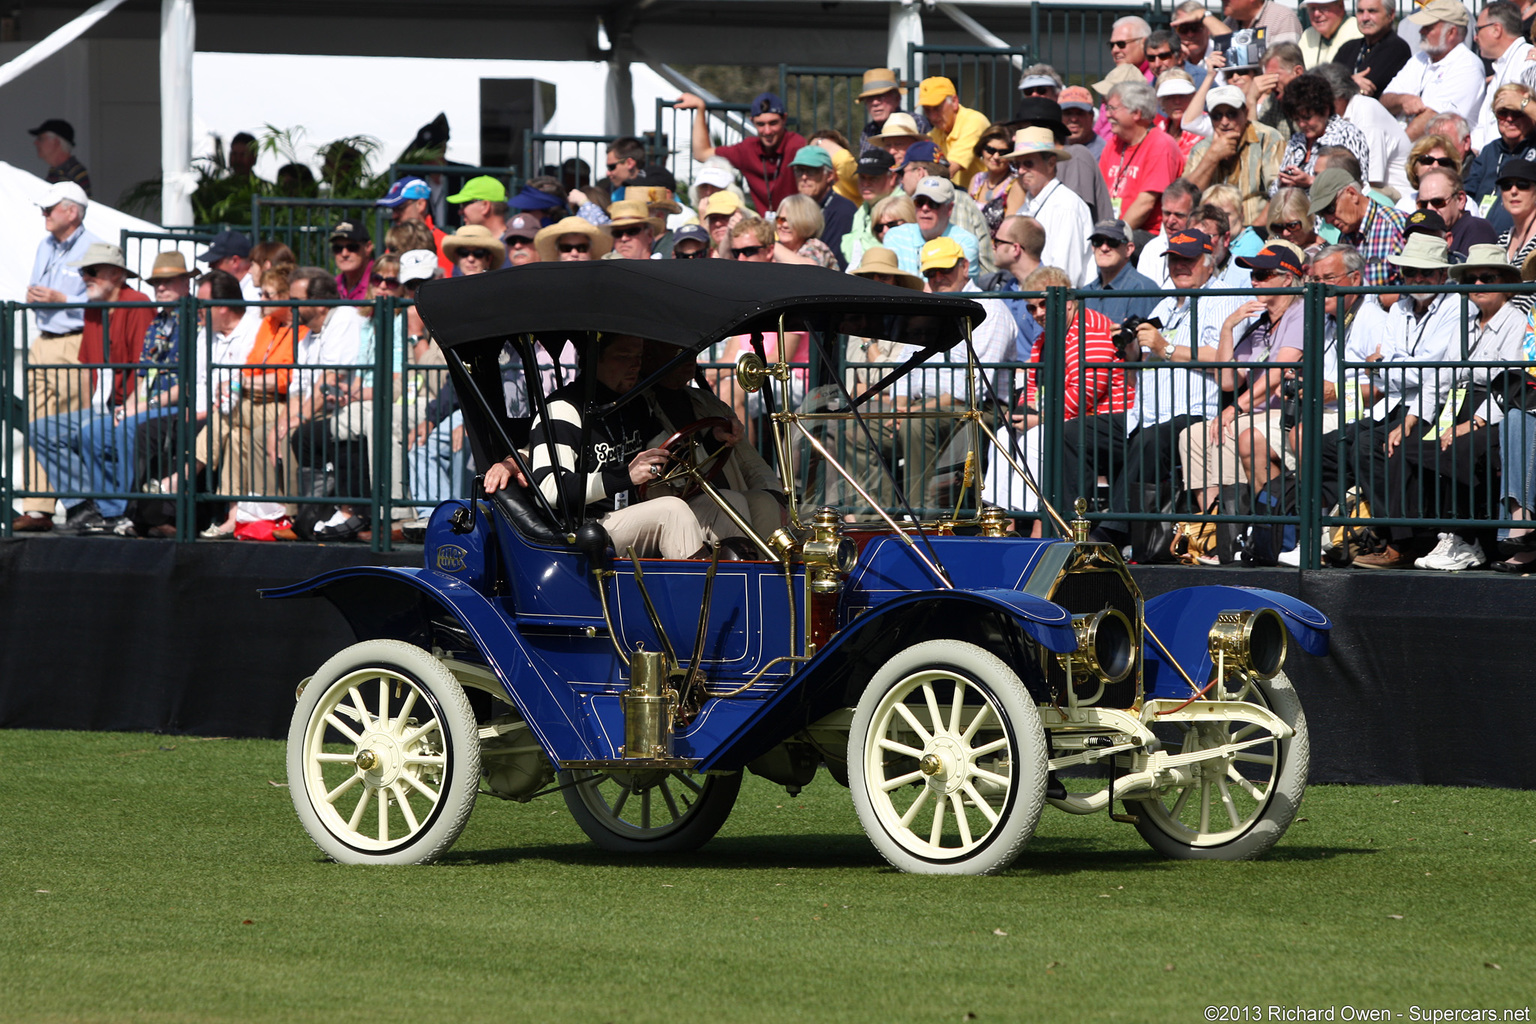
[1290, 402]
[1127, 348]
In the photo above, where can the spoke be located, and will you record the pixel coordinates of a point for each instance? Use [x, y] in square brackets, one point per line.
[624, 792]
[666, 794]
[362, 707]
[900, 748]
[936, 830]
[900, 780]
[906, 712]
[961, 820]
[406, 708]
[697, 789]
[325, 758]
[1268, 759]
[988, 747]
[362, 805]
[383, 719]
[1226, 801]
[336, 793]
[956, 705]
[932, 699]
[437, 759]
[421, 787]
[645, 808]
[414, 736]
[923, 794]
[992, 777]
[1178, 805]
[343, 728]
[411, 823]
[1247, 786]
[981, 803]
[1205, 805]
[981, 716]
[1245, 732]
[383, 815]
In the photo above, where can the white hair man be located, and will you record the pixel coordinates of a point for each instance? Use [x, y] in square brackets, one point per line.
[1443, 77]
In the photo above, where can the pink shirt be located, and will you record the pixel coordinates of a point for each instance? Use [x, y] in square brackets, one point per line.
[361, 291]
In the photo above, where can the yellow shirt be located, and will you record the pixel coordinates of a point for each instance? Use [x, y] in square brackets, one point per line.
[959, 145]
[847, 169]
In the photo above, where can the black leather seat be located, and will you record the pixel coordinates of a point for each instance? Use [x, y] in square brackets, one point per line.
[526, 514]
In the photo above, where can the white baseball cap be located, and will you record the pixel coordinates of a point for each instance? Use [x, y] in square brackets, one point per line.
[1226, 96]
[719, 177]
[62, 190]
[417, 265]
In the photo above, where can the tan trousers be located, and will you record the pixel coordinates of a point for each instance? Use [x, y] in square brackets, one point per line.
[51, 391]
[247, 465]
[659, 528]
[1210, 465]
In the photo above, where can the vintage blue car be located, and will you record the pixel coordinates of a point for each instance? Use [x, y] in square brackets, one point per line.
[954, 675]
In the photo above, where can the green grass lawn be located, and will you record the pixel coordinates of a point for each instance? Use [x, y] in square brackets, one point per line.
[151, 878]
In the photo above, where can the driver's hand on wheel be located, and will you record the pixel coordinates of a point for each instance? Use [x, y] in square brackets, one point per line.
[647, 466]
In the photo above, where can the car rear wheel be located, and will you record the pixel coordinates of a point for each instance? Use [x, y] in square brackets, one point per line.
[383, 756]
[1237, 806]
[947, 760]
[650, 811]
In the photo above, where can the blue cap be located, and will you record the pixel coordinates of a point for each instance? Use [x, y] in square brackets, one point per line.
[690, 233]
[924, 151]
[767, 103]
[531, 198]
[224, 244]
[404, 190]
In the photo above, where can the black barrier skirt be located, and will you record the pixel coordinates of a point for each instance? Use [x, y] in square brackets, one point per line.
[1427, 680]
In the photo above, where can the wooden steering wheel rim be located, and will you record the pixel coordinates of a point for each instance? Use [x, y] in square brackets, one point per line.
[675, 447]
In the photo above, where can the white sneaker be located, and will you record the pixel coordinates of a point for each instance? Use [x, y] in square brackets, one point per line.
[1460, 556]
[1442, 550]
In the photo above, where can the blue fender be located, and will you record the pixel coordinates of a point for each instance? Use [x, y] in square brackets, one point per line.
[823, 684]
[1182, 620]
[377, 602]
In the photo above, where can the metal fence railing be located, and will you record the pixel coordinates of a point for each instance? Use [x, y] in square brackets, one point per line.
[985, 77]
[576, 160]
[141, 247]
[1128, 432]
[673, 135]
[823, 97]
[305, 225]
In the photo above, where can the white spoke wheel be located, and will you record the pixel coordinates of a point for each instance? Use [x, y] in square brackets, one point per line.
[1237, 806]
[947, 760]
[383, 756]
[652, 811]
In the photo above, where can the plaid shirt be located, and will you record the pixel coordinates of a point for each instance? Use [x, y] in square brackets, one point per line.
[1380, 236]
[1252, 169]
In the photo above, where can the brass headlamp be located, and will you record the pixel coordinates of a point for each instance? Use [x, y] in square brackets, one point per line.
[1106, 647]
[828, 555]
[1253, 641]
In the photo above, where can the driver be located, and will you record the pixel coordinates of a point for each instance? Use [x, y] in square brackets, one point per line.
[617, 464]
[750, 485]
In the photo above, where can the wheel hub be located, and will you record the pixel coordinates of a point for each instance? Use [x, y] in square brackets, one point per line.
[379, 758]
[943, 762]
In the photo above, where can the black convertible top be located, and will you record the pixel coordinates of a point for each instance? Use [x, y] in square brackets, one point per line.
[688, 303]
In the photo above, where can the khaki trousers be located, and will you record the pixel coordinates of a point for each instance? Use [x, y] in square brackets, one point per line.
[52, 390]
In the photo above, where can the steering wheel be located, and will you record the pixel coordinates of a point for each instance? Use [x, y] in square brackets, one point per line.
[688, 459]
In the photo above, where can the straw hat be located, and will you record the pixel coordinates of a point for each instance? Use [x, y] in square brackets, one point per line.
[628, 212]
[1029, 141]
[1121, 74]
[658, 198]
[879, 81]
[547, 238]
[169, 266]
[475, 236]
[880, 260]
[900, 125]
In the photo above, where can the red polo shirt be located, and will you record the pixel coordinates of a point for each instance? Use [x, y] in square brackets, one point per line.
[767, 173]
[125, 329]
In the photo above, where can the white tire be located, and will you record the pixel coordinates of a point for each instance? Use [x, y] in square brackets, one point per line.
[383, 756]
[1232, 808]
[947, 760]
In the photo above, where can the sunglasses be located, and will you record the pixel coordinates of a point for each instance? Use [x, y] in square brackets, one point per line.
[1166, 55]
[629, 232]
[90, 272]
[1437, 161]
[612, 168]
[1516, 185]
[1038, 90]
[747, 252]
[1438, 203]
[518, 241]
[697, 254]
[924, 203]
[1420, 273]
[573, 246]
[475, 254]
[1290, 225]
[1260, 276]
[1508, 115]
[1119, 44]
[937, 272]
[883, 225]
[1187, 28]
[1489, 278]
[1104, 243]
[994, 151]
[340, 247]
[379, 279]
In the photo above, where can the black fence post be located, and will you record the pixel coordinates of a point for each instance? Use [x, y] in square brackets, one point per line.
[1309, 471]
[189, 334]
[11, 411]
[383, 447]
[1051, 398]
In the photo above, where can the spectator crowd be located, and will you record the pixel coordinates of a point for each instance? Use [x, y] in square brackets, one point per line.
[1235, 153]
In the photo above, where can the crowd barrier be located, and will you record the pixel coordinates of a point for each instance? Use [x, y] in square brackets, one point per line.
[1328, 472]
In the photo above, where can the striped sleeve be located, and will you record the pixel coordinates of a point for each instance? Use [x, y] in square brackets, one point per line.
[560, 477]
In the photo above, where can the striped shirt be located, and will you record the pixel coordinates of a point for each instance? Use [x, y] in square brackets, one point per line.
[614, 442]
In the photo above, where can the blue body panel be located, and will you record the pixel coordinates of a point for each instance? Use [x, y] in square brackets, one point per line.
[1182, 620]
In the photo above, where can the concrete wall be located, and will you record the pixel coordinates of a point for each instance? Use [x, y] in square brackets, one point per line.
[109, 89]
